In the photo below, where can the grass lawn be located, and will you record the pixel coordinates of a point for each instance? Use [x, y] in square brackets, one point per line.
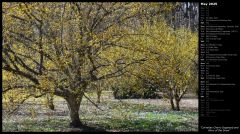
[117, 115]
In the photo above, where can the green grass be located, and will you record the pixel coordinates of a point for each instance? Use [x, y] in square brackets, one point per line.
[31, 125]
[117, 116]
[136, 117]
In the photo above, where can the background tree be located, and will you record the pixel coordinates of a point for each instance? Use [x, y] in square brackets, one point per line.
[172, 57]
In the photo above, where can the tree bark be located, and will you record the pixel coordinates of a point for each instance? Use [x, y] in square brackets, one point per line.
[177, 105]
[50, 103]
[172, 103]
[171, 99]
[73, 103]
[177, 99]
[99, 96]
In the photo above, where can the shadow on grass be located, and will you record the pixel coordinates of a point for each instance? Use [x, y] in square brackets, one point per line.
[47, 125]
[86, 128]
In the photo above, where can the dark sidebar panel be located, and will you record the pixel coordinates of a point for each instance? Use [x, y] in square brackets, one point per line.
[219, 67]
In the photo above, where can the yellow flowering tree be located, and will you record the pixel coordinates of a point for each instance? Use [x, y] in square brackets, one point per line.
[61, 48]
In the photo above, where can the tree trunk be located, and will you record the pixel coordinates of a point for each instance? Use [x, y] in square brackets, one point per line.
[172, 103]
[50, 102]
[73, 104]
[177, 105]
[171, 99]
[98, 96]
[177, 99]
